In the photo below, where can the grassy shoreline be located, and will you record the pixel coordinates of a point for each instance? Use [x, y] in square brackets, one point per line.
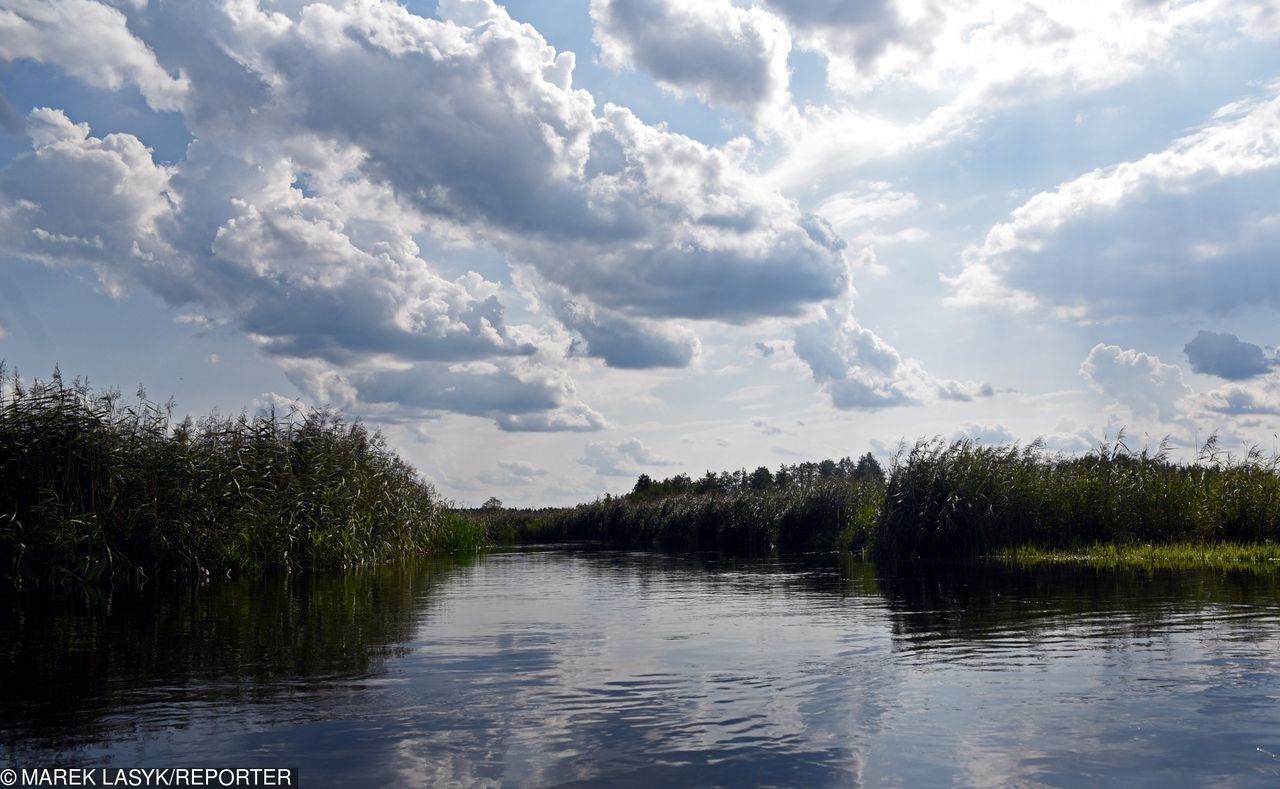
[1145, 555]
[956, 501]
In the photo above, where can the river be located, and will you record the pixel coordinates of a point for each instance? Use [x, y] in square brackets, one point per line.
[581, 666]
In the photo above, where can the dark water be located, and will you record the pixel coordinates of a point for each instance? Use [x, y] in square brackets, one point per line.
[563, 667]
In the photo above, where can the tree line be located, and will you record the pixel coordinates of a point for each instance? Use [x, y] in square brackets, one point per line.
[795, 476]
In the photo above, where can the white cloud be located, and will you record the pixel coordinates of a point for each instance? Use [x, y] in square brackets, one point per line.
[860, 371]
[620, 458]
[1116, 242]
[712, 49]
[319, 156]
[1145, 385]
[968, 59]
[1259, 397]
[518, 397]
[867, 206]
[91, 41]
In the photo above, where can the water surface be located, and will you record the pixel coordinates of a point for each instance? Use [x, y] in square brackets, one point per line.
[562, 667]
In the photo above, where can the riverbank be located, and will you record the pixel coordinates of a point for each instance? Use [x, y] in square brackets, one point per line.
[953, 501]
[94, 488]
[1143, 555]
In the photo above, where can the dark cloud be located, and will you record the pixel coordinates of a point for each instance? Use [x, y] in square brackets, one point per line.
[860, 31]
[518, 401]
[719, 52]
[1227, 356]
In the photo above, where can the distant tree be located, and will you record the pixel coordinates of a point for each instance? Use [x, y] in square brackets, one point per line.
[643, 484]
[492, 503]
[709, 483]
[680, 483]
[784, 477]
[869, 469]
[827, 469]
[760, 479]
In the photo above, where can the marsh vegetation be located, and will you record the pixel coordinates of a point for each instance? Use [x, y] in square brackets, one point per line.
[956, 500]
[96, 487]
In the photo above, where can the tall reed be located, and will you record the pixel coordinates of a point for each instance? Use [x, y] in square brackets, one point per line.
[94, 487]
[963, 499]
[828, 515]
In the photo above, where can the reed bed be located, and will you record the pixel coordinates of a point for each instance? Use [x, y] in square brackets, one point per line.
[510, 526]
[93, 488]
[963, 499]
[959, 500]
[835, 514]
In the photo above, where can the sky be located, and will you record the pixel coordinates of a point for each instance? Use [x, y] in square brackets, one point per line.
[548, 245]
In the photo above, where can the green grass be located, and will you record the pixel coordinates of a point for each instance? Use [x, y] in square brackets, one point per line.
[1134, 555]
[95, 488]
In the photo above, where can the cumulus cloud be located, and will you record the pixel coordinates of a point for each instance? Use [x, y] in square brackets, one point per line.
[1116, 242]
[92, 42]
[1261, 397]
[620, 458]
[1145, 385]
[860, 371]
[1227, 356]
[319, 160]
[968, 59]
[518, 399]
[857, 38]
[714, 50]
[306, 277]
[619, 341]
[997, 50]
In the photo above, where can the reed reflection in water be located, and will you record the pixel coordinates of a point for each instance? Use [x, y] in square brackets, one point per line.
[560, 666]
